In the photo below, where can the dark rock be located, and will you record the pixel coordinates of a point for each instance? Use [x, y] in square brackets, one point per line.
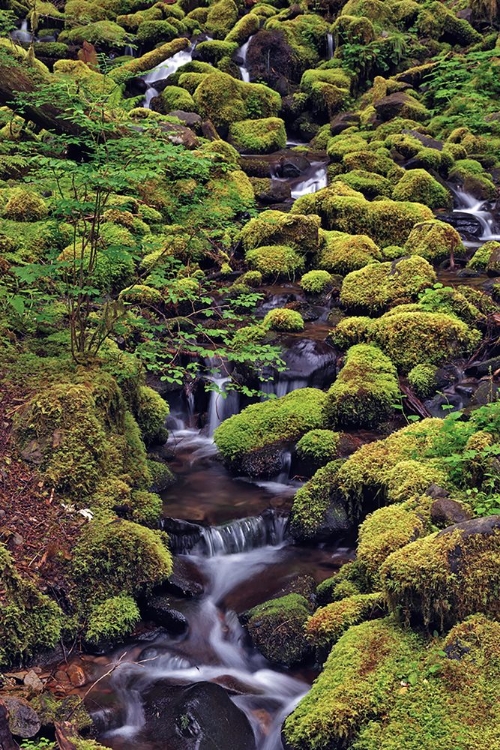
[468, 273]
[426, 140]
[162, 609]
[185, 579]
[487, 367]
[486, 393]
[464, 223]
[275, 192]
[392, 105]
[439, 405]
[271, 59]
[446, 512]
[196, 717]
[179, 135]
[209, 130]
[436, 492]
[183, 534]
[135, 87]
[480, 526]
[23, 720]
[263, 463]
[191, 119]
[343, 121]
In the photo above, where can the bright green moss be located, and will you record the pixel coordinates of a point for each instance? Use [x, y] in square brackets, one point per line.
[100, 33]
[276, 261]
[315, 282]
[370, 184]
[224, 100]
[327, 624]
[482, 258]
[343, 253]
[422, 378]
[320, 446]
[119, 558]
[452, 302]
[222, 16]
[419, 186]
[111, 620]
[141, 294]
[151, 415]
[175, 97]
[244, 28]
[368, 161]
[282, 319]
[148, 61]
[24, 205]
[258, 136]
[282, 419]
[433, 240]
[29, 620]
[298, 231]
[276, 628]
[365, 391]
[318, 509]
[350, 580]
[151, 33]
[411, 478]
[379, 285]
[350, 331]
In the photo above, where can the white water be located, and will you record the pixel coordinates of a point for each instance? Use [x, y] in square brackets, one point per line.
[129, 51]
[164, 70]
[482, 213]
[223, 403]
[329, 38]
[242, 54]
[22, 34]
[313, 182]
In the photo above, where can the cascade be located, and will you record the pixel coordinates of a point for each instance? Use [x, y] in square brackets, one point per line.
[241, 54]
[329, 39]
[481, 211]
[22, 35]
[164, 70]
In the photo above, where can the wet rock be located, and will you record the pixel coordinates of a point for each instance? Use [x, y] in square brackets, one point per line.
[274, 191]
[426, 140]
[269, 56]
[436, 492]
[191, 119]
[264, 463]
[135, 87]
[196, 717]
[209, 130]
[487, 367]
[162, 609]
[464, 223]
[475, 527]
[394, 105]
[486, 393]
[443, 403]
[446, 512]
[33, 682]
[76, 675]
[185, 579]
[343, 121]
[183, 534]
[23, 720]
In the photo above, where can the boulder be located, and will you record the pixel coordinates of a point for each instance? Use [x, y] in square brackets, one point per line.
[162, 609]
[446, 512]
[23, 720]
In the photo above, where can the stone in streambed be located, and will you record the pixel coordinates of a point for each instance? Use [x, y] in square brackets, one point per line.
[196, 717]
[23, 720]
[162, 609]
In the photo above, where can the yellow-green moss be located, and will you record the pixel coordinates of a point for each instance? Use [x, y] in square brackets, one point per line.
[422, 378]
[24, 205]
[327, 624]
[276, 628]
[258, 136]
[276, 261]
[343, 253]
[112, 620]
[433, 240]
[298, 231]
[315, 282]
[151, 415]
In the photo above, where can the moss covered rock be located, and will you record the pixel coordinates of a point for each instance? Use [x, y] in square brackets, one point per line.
[342, 253]
[316, 282]
[282, 319]
[25, 205]
[298, 231]
[327, 624]
[419, 186]
[433, 240]
[276, 628]
[274, 261]
[365, 391]
[319, 512]
[258, 136]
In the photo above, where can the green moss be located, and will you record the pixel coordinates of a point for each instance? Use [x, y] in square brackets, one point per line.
[359, 683]
[24, 205]
[433, 240]
[151, 415]
[275, 261]
[349, 581]
[222, 16]
[224, 100]
[422, 378]
[298, 231]
[447, 576]
[244, 28]
[343, 253]
[482, 259]
[327, 624]
[283, 319]
[452, 302]
[319, 446]
[175, 97]
[111, 620]
[258, 136]
[315, 282]
[151, 33]
[119, 558]
[106, 34]
[370, 184]
[259, 425]
[379, 285]
[141, 294]
[148, 61]
[30, 620]
[419, 186]
[365, 391]
[276, 628]
[252, 279]
[318, 508]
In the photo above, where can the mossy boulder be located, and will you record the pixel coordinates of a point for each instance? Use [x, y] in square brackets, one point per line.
[319, 512]
[316, 282]
[422, 378]
[370, 184]
[268, 423]
[419, 186]
[176, 98]
[283, 319]
[276, 628]
[111, 620]
[105, 35]
[298, 231]
[152, 412]
[258, 136]
[25, 205]
[222, 16]
[380, 285]
[30, 620]
[433, 240]
[365, 391]
[317, 448]
[276, 261]
[487, 258]
[327, 624]
[447, 576]
[342, 253]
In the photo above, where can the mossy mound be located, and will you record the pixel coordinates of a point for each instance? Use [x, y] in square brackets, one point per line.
[276, 628]
[25, 205]
[258, 136]
[319, 511]
[151, 415]
[319, 446]
[298, 231]
[274, 261]
[422, 378]
[327, 624]
[30, 620]
[111, 620]
[283, 419]
[365, 391]
[487, 258]
[419, 186]
[342, 253]
[380, 285]
[282, 319]
[433, 240]
[447, 576]
[370, 184]
[315, 282]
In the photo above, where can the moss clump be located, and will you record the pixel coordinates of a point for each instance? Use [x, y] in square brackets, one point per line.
[119, 558]
[282, 319]
[148, 61]
[175, 97]
[152, 412]
[146, 508]
[433, 240]
[419, 186]
[222, 16]
[252, 279]
[447, 576]
[422, 379]
[24, 205]
[327, 624]
[276, 261]
[141, 294]
[319, 446]
[280, 420]
[258, 136]
[275, 227]
[343, 253]
[30, 620]
[370, 184]
[276, 628]
[112, 620]
[379, 285]
[315, 282]
[350, 580]
[318, 511]
[359, 682]
[486, 258]
[103, 34]
[365, 391]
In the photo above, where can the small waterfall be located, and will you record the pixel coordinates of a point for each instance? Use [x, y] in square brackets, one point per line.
[242, 535]
[286, 465]
[129, 51]
[163, 71]
[481, 211]
[329, 39]
[242, 55]
[22, 35]
[312, 182]
[223, 403]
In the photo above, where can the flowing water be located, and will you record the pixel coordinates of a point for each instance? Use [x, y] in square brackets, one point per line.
[241, 55]
[22, 35]
[481, 212]
[163, 70]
